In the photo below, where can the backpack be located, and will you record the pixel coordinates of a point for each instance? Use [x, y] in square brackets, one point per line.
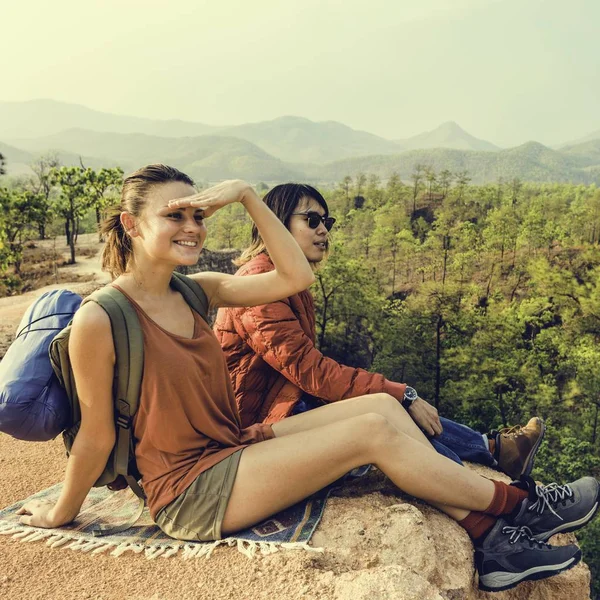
[36, 412]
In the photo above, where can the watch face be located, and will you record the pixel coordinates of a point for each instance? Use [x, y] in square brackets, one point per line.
[410, 394]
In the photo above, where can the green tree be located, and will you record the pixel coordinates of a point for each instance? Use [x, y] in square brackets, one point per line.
[431, 179]
[73, 201]
[445, 181]
[349, 305]
[389, 222]
[19, 211]
[100, 188]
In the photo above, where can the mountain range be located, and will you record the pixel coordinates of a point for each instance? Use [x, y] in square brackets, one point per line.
[277, 150]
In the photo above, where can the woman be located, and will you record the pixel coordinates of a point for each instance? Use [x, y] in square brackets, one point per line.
[204, 474]
[277, 370]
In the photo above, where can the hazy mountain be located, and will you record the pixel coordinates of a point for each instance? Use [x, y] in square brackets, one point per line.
[287, 138]
[300, 140]
[586, 153]
[529, 162]
[37, 118]
[214, 157]
[14, 155]
[595, 135]
[203, 157]
[18, 161]
[447, 135]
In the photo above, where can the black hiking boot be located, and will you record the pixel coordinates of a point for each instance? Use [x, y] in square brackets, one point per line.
[552, 509]
[509, 555]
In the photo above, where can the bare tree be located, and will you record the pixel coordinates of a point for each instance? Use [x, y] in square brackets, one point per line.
[42, 186]
[417, 177]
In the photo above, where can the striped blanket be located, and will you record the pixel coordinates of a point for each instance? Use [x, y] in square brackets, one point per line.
[289, 529]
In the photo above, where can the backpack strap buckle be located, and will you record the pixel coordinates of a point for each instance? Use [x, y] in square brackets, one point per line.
[124, 418]
[124, 422]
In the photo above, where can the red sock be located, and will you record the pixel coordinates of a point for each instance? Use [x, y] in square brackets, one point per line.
[506, 499]
[477, 524]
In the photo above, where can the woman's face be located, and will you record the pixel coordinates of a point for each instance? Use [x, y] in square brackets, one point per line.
[172, 235]
[313, 242]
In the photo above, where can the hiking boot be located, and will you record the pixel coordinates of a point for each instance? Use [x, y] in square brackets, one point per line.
[516, 447]
[509, 555]
[553, 508]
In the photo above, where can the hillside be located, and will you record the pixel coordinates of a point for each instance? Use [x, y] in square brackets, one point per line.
[296, 139]
[529, 162]
[287, 138]
[18, 161]
[594, 135]
[586, 153]
[203, 157]
[447, 135]
[37, 118]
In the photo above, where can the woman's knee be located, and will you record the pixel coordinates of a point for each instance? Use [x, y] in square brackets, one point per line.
[386, 404]
[376, 430]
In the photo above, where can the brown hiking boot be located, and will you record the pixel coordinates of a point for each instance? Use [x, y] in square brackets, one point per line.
[516, 447]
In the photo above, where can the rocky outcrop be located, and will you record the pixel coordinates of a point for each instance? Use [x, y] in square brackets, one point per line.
[380, 544]
[220, 261]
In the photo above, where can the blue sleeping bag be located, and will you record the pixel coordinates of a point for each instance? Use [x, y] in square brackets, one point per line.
[33, 404]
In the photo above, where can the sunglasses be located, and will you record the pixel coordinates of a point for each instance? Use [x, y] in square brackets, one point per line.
[315, 219]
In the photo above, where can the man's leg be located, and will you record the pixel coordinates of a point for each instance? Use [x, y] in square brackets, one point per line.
[511, 451]
[466, 443]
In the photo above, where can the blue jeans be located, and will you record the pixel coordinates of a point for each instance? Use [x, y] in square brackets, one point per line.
[458, 442]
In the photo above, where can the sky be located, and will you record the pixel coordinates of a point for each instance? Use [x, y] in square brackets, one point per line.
[507, 71]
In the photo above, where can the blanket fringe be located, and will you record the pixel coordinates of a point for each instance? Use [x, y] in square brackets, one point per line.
[188, 550]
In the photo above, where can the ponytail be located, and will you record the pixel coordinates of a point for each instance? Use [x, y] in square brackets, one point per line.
[117, 250]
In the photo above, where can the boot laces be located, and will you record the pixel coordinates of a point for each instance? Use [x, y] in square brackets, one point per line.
[516, 533]
[512, 431]
[549, 495]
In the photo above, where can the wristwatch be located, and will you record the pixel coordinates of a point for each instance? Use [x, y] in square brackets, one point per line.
[410, 395]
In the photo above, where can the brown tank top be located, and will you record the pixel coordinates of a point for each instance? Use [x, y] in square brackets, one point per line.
[187, 420]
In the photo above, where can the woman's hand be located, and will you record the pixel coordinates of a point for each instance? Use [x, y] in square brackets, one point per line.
[40, 513]
[426, 417]
[216, 197]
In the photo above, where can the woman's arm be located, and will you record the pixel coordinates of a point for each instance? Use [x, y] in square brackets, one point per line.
[92, 356]
[292, 272]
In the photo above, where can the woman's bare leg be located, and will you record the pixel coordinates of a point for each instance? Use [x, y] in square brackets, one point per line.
[380, 403]
[275, 474]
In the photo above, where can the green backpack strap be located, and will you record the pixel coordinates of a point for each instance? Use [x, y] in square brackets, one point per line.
[129, 362]
[192, 292]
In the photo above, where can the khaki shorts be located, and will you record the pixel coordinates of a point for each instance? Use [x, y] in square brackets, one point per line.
[197, 514]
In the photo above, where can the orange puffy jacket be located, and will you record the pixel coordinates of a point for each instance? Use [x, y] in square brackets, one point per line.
[272, 358]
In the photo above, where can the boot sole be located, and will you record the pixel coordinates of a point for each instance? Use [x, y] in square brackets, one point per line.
[500, 581]
[528, 466]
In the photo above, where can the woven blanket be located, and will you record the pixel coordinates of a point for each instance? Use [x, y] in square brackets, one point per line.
[289, 529]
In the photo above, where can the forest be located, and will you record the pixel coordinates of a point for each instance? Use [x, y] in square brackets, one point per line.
[485, 298]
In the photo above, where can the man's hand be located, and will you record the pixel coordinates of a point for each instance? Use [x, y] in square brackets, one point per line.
[426, 417]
